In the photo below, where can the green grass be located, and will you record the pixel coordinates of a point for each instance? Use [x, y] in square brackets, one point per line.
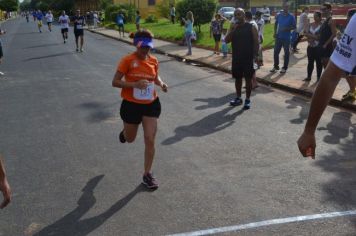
[164, 29]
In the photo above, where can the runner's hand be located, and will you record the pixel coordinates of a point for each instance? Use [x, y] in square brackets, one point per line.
[306, 145]
[6, 191]
[164, 87]
[141, 84]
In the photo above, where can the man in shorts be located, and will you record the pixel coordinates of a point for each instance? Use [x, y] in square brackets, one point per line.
[39, 17]
[64, 22]
[342, 60]
[244, 40]
[79, 22]
[49, 19]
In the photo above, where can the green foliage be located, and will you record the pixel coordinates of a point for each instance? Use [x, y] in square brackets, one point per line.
[163, 8]
[105, 3]
[151, 19]
[126, 9]
[55, 5]
[9, 5]
[25, 5]
[203, 10]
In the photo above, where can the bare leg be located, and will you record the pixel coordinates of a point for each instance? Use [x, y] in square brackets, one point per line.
[130, 132]
[150, 129]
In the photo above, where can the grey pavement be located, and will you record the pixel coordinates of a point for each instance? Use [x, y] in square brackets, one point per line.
[292, 81]
[217, 165]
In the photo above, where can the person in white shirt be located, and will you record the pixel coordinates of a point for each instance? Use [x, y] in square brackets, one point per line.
[49, 19]
[261, 25]
[303, 25]
[64, 22]
[343, 59]
[249, 19]
[96, 19]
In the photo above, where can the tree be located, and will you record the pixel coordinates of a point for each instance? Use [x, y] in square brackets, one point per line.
[203, 10]
[25, 5]
[9, 5]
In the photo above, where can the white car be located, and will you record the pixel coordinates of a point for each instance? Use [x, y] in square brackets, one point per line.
[227, 12]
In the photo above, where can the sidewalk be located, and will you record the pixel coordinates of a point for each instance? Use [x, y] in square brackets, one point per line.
[292, 81]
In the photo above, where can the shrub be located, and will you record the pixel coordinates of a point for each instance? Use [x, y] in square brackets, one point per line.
[127, 10]
[203, 10]
[151, 19]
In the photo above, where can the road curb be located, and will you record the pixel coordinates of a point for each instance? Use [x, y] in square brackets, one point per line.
[308, 94]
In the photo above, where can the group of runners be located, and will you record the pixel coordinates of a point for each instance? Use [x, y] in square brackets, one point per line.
[64, 20]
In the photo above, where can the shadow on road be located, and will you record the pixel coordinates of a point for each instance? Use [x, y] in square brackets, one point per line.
[206, 126]
[338, 128]
[43, 45]
[71, 224]
[294, 102]
[341, 162]
[50, 56]
[99, 111]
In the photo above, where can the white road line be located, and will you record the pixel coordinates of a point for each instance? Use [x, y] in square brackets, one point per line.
[266, 223]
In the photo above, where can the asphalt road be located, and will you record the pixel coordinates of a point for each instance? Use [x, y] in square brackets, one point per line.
[217, 165]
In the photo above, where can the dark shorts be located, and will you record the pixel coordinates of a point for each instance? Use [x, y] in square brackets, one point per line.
[120, 25]
[49, 23]
[217, 37]
[243, 70]
[132, 112]
[78, 33]
[65, 30]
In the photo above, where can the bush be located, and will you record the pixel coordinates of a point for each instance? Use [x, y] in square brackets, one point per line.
[163, 9]
[203, 10]
[151, 19]
[127, 10]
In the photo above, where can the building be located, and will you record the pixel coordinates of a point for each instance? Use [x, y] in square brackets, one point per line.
[87, 5]
[146, 7]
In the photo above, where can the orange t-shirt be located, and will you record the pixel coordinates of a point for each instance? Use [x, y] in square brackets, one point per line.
[136, 69]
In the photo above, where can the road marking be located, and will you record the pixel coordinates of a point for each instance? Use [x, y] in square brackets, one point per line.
[267, 223]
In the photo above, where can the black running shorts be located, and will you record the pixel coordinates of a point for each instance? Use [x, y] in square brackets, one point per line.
[78, 32]
[243, 70]
[132, 112]
[64, 30]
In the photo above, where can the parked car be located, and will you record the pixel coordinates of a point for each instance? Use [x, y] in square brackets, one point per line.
[227, 12]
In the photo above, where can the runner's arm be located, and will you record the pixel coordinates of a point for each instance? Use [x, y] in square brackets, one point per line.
[4, 186]
[117, 81]
[160, 83]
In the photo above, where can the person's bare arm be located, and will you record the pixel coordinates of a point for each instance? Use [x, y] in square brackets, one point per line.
[160, 83]
[117, 82]
[4, 186]
[322, 95]
[255, 42]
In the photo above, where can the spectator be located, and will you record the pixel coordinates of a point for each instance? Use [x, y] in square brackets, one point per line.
[137, 20]
[285, 23]
[249, 19]
[327, 34]
[216, 28]
[303, 25]
[313, 34]
[188, 23]
[261, 25]
[4, 186]
[95, 19]
[172, 13]
[244, 40]
[120, 19]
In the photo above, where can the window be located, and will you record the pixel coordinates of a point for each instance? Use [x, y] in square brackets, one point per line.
[151, 2]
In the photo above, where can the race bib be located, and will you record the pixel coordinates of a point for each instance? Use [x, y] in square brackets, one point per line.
[79, 27]
[144, 94]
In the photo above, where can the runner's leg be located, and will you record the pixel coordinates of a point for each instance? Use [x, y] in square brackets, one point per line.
[149, 129]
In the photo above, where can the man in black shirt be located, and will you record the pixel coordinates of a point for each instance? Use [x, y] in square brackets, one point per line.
[244, 40]
[79, 22]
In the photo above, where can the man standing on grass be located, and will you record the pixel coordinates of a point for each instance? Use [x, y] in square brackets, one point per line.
[244, 40]
[285, 23]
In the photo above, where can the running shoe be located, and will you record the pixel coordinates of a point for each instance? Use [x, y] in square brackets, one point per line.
[149, 181]
[81, 50]
[349, 96]
[247, 104]
[307, 79]
[274, 69]
[77, 50]
[236, 102]
[122, 137]
[283, 71]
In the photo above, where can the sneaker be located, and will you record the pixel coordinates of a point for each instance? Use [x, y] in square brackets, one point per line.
[2, 73]
[283, 71]
[307, 79]
[77, 50]
[122, 137]
[65, 41]
[81, 50]
[274, 69]
[349, 96]
[247, 104]
[149, 181]
[236, 102]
